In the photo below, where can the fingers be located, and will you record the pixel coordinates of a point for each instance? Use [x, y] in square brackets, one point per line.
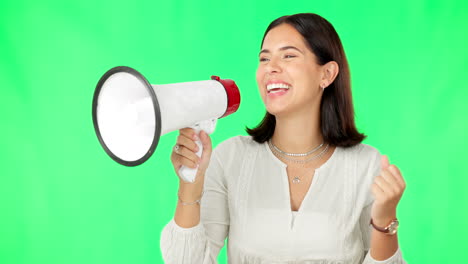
[189, 133]
[387, 189]
[186, 155]
[387, 183]
[384, 162]
[187, 162]
[397, 175]
[186, 142]
[394, 175]
[377, 191]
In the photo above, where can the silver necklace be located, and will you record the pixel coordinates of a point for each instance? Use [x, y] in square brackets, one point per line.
[295, 154]
[297, 179]
[317, 156]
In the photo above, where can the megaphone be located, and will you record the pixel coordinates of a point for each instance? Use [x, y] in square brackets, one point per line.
[130, 114]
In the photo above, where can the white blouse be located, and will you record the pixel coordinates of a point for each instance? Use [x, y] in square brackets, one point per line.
[247, 200]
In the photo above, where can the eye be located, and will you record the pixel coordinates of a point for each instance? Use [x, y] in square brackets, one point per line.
[263, 59]
[289, 56]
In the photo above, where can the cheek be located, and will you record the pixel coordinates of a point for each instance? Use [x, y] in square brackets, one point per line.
[304, 76]
[259, 76]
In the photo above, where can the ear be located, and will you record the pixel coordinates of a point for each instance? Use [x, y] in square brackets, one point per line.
[330, 71]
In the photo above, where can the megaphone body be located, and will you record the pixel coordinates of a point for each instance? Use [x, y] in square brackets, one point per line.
[130, 115]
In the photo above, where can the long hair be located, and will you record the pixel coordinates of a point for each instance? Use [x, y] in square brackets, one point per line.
[336, 107]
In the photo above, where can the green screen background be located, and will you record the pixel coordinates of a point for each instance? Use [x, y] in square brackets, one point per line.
[63, 200]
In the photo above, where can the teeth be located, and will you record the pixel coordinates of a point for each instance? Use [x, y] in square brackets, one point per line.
[277, 85]
[272, 92]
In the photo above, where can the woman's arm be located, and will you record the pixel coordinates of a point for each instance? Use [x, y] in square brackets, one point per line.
[202, 242]
[383, 246]
[387, 189]
[198, 230]
[187, 213]
[386, 247]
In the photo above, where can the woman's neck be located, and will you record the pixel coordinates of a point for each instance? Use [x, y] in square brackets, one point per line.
[297, 133]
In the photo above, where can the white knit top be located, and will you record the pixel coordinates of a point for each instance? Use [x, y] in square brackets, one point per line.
[247, 200]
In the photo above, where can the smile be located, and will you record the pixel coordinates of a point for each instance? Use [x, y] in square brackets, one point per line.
[277, 87]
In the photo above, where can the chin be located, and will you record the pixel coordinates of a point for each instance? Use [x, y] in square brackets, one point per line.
[277, 110]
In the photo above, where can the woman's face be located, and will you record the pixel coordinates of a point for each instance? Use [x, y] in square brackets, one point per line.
[288, 76]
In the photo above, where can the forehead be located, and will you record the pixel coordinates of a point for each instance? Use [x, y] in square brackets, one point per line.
[284, 35]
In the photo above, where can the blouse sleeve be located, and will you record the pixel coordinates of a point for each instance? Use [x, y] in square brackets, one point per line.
[364, 220]
[202, 243]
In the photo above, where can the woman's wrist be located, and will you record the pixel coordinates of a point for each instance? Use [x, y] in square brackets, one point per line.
[383, 221]
[189, 202]
[190, 191]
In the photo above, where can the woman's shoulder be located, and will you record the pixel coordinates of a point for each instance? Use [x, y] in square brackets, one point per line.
[235, 149]
[363, 151]
[236, 144]
[366, 160]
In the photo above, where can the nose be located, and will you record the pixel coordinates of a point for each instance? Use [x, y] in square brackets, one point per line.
[273, 66]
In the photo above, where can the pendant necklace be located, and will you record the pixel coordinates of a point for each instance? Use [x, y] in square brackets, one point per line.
[287, 156]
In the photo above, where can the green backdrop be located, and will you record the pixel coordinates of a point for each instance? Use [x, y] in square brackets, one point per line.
[63, 200]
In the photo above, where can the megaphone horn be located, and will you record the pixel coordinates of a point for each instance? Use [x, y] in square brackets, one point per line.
[130, 114]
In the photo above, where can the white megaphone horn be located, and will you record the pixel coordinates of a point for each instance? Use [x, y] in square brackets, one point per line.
[130, 114]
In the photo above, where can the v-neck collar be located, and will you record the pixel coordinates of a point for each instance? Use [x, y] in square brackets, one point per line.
[293, 215]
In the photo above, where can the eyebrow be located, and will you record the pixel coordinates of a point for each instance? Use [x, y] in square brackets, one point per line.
[282, 48]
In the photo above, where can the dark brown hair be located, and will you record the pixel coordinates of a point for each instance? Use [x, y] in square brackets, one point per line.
[336, 108]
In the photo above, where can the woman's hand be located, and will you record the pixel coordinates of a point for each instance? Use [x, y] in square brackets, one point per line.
[387, 189]
[185, 155]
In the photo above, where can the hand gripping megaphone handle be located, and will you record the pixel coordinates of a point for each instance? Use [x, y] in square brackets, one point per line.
[189, 174]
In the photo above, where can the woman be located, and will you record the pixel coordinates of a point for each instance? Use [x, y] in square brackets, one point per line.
[302, 188]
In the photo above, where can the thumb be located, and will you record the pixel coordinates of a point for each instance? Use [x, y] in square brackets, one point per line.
[384, 162]
[205, 140]
[207, 147]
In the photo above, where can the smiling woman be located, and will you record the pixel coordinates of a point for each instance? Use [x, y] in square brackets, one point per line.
[302, 187]
[311, 50]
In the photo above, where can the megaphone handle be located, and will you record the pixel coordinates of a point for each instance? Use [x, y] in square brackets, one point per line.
[188, 174]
